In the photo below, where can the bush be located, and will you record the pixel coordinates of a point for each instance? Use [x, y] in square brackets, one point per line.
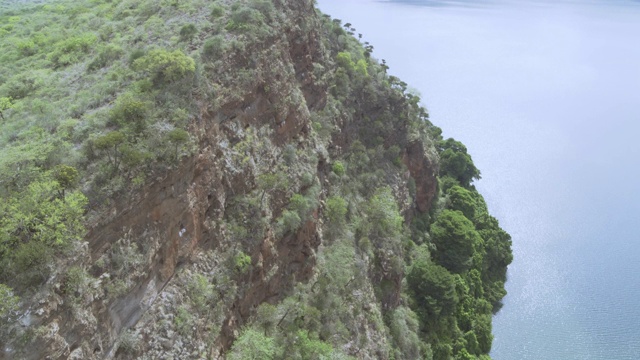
[6, 103]
[244, 18]
[288, 221]
[252, 344]
[338, 168]
[166, 66]
[71, 50]
[405, 327]
[8, 303]
[213, 48]
[30, 264]
[75, 281]
[187, 32]
[135, 55]
[242, 262]
[26, 47]
[183, 321]
[336, 210]
[217, 11]
[106, 56]
[23, 85]
[130, 111]
[200, 292]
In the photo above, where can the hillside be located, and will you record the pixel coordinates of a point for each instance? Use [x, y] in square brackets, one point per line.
[229, 179]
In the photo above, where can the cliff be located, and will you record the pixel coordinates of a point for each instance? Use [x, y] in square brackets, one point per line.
[299, 216]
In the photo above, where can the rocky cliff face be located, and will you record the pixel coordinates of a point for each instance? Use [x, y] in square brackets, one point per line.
[217, 215]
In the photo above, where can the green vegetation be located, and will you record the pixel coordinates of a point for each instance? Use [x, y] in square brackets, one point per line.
[98, 96]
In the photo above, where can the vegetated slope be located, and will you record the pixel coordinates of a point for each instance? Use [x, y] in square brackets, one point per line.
[229, 179]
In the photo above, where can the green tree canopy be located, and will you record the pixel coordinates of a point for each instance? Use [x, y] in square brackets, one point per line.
[433, 288]
[455, 162]
[463, 200]
[66, 176]
[455, 238]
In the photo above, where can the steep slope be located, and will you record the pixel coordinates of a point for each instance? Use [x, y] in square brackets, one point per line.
[300, 215]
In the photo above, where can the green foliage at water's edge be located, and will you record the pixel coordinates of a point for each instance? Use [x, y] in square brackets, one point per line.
[96, 98]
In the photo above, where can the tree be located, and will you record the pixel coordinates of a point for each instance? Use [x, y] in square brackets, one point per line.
[455, 162]
[463, 200]
[5, 104]
[177, 137]
[66, 176]
[131, 112]
[110, 143]
[271, 182]
[455, 239]
[433, 289]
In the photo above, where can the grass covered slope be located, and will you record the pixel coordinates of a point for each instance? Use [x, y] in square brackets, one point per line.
[315, 144]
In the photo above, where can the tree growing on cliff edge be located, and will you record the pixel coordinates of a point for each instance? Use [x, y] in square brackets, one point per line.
[456, 162]
[455, 238]
[433, 289]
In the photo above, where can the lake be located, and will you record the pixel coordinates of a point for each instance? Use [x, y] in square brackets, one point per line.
[546, 96]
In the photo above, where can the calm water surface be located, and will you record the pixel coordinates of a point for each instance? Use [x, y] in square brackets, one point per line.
[546, 96]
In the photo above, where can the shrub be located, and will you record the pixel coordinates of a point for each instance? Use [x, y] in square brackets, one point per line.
[200, 292]
[217, 11]
[183, 321]
[288, 221]
[243, 18]
[242, 262]
[74, 282]
[252, 344]
[26, 47]
[70, 51]
[336, 210]
[338, 168]
[106, 56]
[135, 55]
[130, 111]
[187, 32]
[8, 304]
[166, 66]
[23, 85]
[213, 48]
[5, 104]
[30, 264]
